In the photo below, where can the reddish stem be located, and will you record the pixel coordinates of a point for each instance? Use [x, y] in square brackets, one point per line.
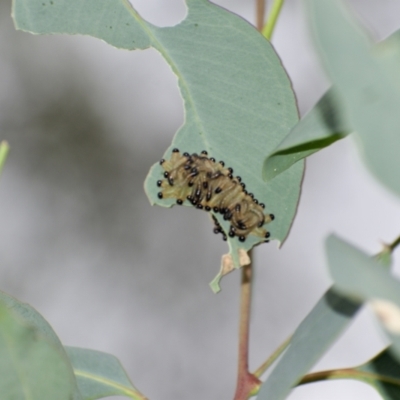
[246, 382]
[260, 12]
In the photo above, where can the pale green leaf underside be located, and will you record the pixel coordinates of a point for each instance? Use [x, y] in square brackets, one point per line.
[366, 78]
[322, 126]
[100, 375]
[327, 320]
[238, 100]
[359, 275]
[362, 277]
[30, 317]
[31, 367]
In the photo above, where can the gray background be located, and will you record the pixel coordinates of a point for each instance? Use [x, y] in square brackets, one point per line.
[80, 242]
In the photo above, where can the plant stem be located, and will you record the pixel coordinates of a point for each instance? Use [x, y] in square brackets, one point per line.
[262, 368]
[260, 13]
[4, 148]
[394, 244]
[246, 382]
[272, 18]
[348, 373]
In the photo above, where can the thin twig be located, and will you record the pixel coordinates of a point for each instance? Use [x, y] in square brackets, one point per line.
[263, 367]
[260, 13]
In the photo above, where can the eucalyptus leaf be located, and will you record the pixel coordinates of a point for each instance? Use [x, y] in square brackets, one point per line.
[239, 103]
[323, 125]
[100, 375]
[367, 81]
[30, 317]
[31, 367]
[322, 326]
[365, 278]
[359, 275]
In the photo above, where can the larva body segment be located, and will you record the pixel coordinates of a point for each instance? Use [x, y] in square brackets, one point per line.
[210, 186]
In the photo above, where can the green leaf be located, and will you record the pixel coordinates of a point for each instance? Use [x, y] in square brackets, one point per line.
[383, 373]
[359, 275]
[32, 318]
[239, 103]
[100, 375]
[365, 278]
[367, 81]
[114, 21]
[313, 337]
[322, 126]
[31, 367]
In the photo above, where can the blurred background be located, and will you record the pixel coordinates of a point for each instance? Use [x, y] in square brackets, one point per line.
[80, 242]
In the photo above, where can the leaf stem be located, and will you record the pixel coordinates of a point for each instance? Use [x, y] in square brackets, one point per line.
[263, 367]
[394, 244]
[272, 18]
[348, 373]
[260, 13]
[246, 382]
[4, 149]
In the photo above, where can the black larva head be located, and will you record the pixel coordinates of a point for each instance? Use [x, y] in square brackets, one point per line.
[222, 163]
[166, 174]
[159, 194]
[262, 205]
[272, 216]
[267, 234]
[204, 152]
[243, 185]
[175, 150]
[159, 183]
[186, 154]
[212, 159]
[179, 201]
[230, 170]
[239, 179]
[162, 161]
[242, 238]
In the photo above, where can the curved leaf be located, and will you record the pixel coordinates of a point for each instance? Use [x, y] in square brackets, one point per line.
[367, 81]
[358, 275]
[114, 21]
[31, 367]
[365, 278]
[327, 320]
[319, 128]
[100, 375]
[239, 104]
[30, 317]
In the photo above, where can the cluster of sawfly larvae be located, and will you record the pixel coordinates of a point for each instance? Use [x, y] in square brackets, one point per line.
[209, 186]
